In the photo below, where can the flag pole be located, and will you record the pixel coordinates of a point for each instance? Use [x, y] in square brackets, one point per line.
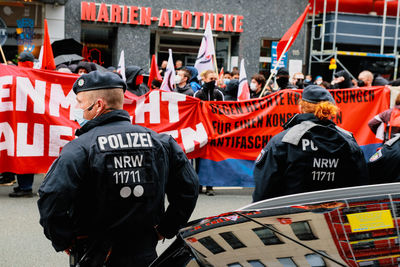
[2, 54]
[215, 63]
[276, 66]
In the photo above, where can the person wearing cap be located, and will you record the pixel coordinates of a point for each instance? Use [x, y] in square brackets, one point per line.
[134, 80]
[312, 153]
[102, 199]
[282, 79]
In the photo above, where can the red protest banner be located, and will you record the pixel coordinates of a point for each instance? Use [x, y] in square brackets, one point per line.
[36, 118]
[239, 130]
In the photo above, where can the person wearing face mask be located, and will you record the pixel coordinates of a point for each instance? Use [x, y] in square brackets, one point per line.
[209, 91]
[102, 199]
[182, 78]
[256, 86]
[282, 79]
[134, 80]
[319, 80]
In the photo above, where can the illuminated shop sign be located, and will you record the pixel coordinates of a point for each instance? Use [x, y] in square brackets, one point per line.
[133, 15]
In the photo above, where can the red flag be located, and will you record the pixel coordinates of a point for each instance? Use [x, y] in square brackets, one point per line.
[154, 73]
[48, 58]
[289, 37]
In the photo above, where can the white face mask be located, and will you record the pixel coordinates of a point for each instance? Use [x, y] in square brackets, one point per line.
[253, 87]
[78, 115]
[318, 82]
[178, 79]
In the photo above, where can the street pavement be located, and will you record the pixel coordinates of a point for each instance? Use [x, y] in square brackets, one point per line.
[23, 243]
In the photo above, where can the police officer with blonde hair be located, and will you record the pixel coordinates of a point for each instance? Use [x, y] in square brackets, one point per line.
[102, 199]
[312, 153]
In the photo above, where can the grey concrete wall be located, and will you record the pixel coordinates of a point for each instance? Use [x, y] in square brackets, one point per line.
[262, 19]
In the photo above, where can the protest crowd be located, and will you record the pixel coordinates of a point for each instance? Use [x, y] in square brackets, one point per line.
[307, 108]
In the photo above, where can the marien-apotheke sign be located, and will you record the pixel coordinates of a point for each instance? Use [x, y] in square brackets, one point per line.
[122, 14]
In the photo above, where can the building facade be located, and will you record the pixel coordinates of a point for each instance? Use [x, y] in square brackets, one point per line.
[241, 29]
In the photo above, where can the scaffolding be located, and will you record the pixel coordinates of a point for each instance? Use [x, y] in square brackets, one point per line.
[324, 55]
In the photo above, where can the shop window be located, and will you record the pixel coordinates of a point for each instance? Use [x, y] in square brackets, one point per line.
[267, 236]
[211, 245]
[222, 52]
[287, 262]
[98, 44]
[303, 230]
[235, 264]
[232, 240]
[363, 245]
[315, 260]
[256, 263]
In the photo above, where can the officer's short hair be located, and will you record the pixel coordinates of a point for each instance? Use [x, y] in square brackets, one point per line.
[113, 97]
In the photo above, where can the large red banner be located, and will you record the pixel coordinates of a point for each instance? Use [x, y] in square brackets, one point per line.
[36, 118]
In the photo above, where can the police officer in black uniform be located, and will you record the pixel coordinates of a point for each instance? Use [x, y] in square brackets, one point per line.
[312, 153]
[103, 197]
[384, 165]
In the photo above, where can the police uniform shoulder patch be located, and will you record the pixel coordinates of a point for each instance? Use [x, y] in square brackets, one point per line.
[260, 156]
[376, 156]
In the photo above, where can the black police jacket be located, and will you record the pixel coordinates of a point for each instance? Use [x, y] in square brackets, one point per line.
[384, 165]
[114, 177]
[309, 155]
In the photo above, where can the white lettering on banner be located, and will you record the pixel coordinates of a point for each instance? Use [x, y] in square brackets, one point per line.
[37, 94]
[57, 98]
[5, 93]
[23, 148]
[173, 133]
[173, 109]
[189, 136]
[8, 143]
[56, 143]
[153, 107]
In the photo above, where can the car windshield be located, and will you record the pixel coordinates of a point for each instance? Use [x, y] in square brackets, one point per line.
[342, 227]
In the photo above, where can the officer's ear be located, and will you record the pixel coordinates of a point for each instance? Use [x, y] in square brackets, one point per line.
[101, 105]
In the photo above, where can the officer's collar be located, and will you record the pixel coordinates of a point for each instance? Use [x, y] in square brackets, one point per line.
[114, 115]
[299, 118]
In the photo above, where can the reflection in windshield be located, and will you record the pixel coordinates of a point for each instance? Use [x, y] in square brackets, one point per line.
[361, 231]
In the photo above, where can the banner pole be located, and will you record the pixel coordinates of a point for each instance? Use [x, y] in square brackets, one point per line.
[276, 66]
[2, 54]
[215, 63]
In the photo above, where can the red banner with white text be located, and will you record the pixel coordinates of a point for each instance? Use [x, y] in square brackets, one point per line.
[36, 118]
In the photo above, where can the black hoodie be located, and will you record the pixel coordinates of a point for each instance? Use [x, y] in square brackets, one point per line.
[131, 73]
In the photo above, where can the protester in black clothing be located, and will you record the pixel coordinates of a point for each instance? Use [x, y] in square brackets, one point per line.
[209, 91]
[366, 78]
[103, 197]
[231, 90]
[182, 78]
[163, 68]
[282, 79]
[134, 80]
[342, 80]
[257, 85]
[384, 165]
[312, 153]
